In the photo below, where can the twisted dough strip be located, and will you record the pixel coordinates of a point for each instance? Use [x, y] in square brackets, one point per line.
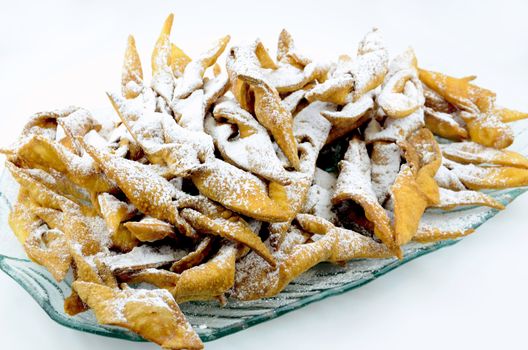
[153, 314]
[474, 153]
[477, 105]
[352, 78]
[415, 188]
[354, 183]
[202, 282]
[271, 113]
[159, 198]
[258, 154]
[162, 139]
[401, 93]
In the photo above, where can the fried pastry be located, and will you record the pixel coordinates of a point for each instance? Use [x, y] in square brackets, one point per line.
[149, 229]
[507, 115]
[242, 192]
[205, 281]
[348, 244]
[21, 220]
[444, 125]
[352, 78]
[132, 76]
[259, 155]
[477, 104]
[49, 248]
[394, 129]
[451, 199]
[401, 93]
[352, 116]
[354, 183]
[192, 76]
[474, 153]
[216, 184]
[163, 140]
[288, 53]
[255, 280]
[195, 257]
[310, 130]
[485, 177]
[151, 313]
[270, 112]
[39, 152]
[414, 188]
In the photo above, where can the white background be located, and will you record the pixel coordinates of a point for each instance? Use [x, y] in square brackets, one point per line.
[471, 295]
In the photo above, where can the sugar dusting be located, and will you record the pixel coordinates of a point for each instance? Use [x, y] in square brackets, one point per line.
[176, 133]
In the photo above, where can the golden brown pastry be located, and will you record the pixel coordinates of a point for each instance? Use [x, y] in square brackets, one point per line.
[215, 184]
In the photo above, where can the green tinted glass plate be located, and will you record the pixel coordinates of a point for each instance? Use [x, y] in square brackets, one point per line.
[210, 320]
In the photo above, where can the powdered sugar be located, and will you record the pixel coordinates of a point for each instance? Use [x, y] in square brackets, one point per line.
[251, 148]
[143, 257]
[395, 130]
[319, 198]
[235, 153]
[385, 163]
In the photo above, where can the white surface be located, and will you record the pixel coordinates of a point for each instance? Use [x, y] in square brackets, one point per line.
[472, 295]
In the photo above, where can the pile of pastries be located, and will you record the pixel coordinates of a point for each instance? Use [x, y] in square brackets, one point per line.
[206, 185]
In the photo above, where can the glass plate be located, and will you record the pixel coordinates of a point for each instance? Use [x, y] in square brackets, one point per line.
[210, 320]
